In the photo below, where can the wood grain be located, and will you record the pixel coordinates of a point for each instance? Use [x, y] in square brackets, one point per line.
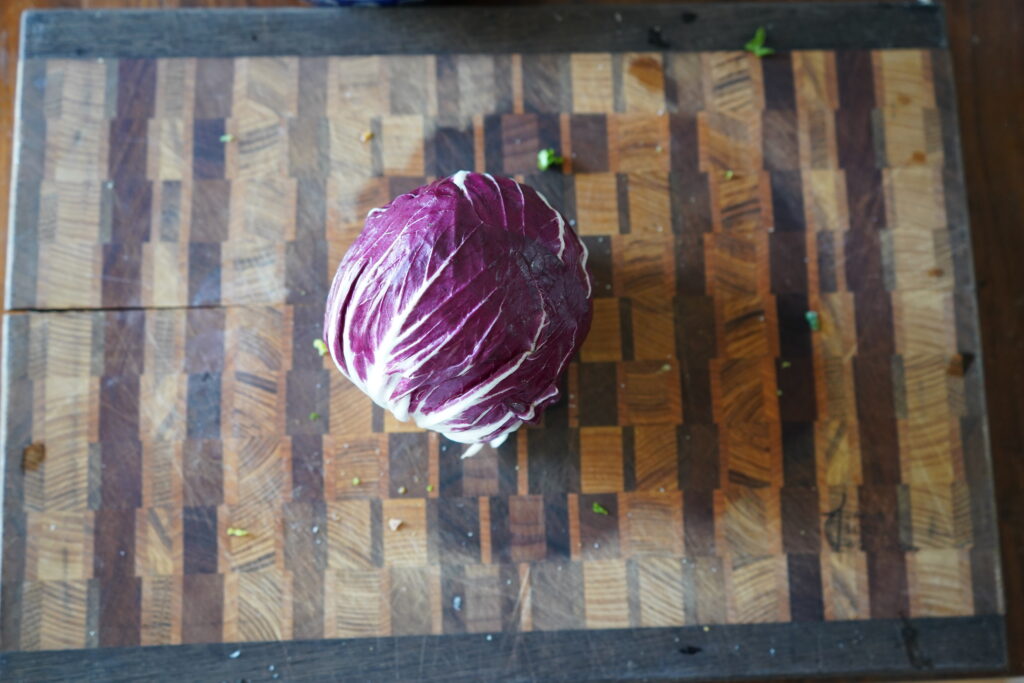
[766, 275]
[257, 404]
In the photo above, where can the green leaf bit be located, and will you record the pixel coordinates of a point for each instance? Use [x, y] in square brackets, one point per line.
[546, 158]
[227, 137]
[729, 174]
[599, 509]
[313, 417]
[235, 531]
[320, 347]
[813, 320]
[756, 44]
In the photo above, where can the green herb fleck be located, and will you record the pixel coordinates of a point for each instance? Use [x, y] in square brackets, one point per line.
[778, 392]
[599, 509]
[402, 490]
[786, 364]
[813, 320]
[756, 45]
[227, 137]
[313, 417]
[320, 347]
[430, 487]
[235, 531]
[728, 174]
[356, 481]
[546, 158]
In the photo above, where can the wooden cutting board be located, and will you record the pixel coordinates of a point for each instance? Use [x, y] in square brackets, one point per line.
[727, 488]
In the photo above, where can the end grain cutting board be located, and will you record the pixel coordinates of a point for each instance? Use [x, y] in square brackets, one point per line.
[781, 500]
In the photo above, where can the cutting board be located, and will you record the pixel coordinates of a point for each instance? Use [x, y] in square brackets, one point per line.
[770, 456]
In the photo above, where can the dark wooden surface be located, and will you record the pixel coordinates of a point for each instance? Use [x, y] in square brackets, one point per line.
[491, 29]
[1000, 261]
[939, 647]
[987, 42]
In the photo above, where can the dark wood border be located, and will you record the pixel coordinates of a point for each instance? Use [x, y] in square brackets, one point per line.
[579, 28]
[875, 647]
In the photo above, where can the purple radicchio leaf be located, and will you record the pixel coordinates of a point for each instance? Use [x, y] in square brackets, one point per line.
[460, 305]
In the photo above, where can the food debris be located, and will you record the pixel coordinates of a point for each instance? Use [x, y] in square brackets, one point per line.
[402, 490]
[313, 417]
[599, 509]
[235, 655]
[236, 531]
[813, 320]
[546, 158]
[778, 392]
[366, 136]
[33, 456]
[729, 174]
[430, 487]
[756, 45]
[786, 364]
[706, 629]
[395, 524]
[320, 347]
[356, 481]
[227, 137]
[457, 603]
[936, 272]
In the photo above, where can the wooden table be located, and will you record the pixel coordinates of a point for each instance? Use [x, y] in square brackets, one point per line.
[782, 500]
